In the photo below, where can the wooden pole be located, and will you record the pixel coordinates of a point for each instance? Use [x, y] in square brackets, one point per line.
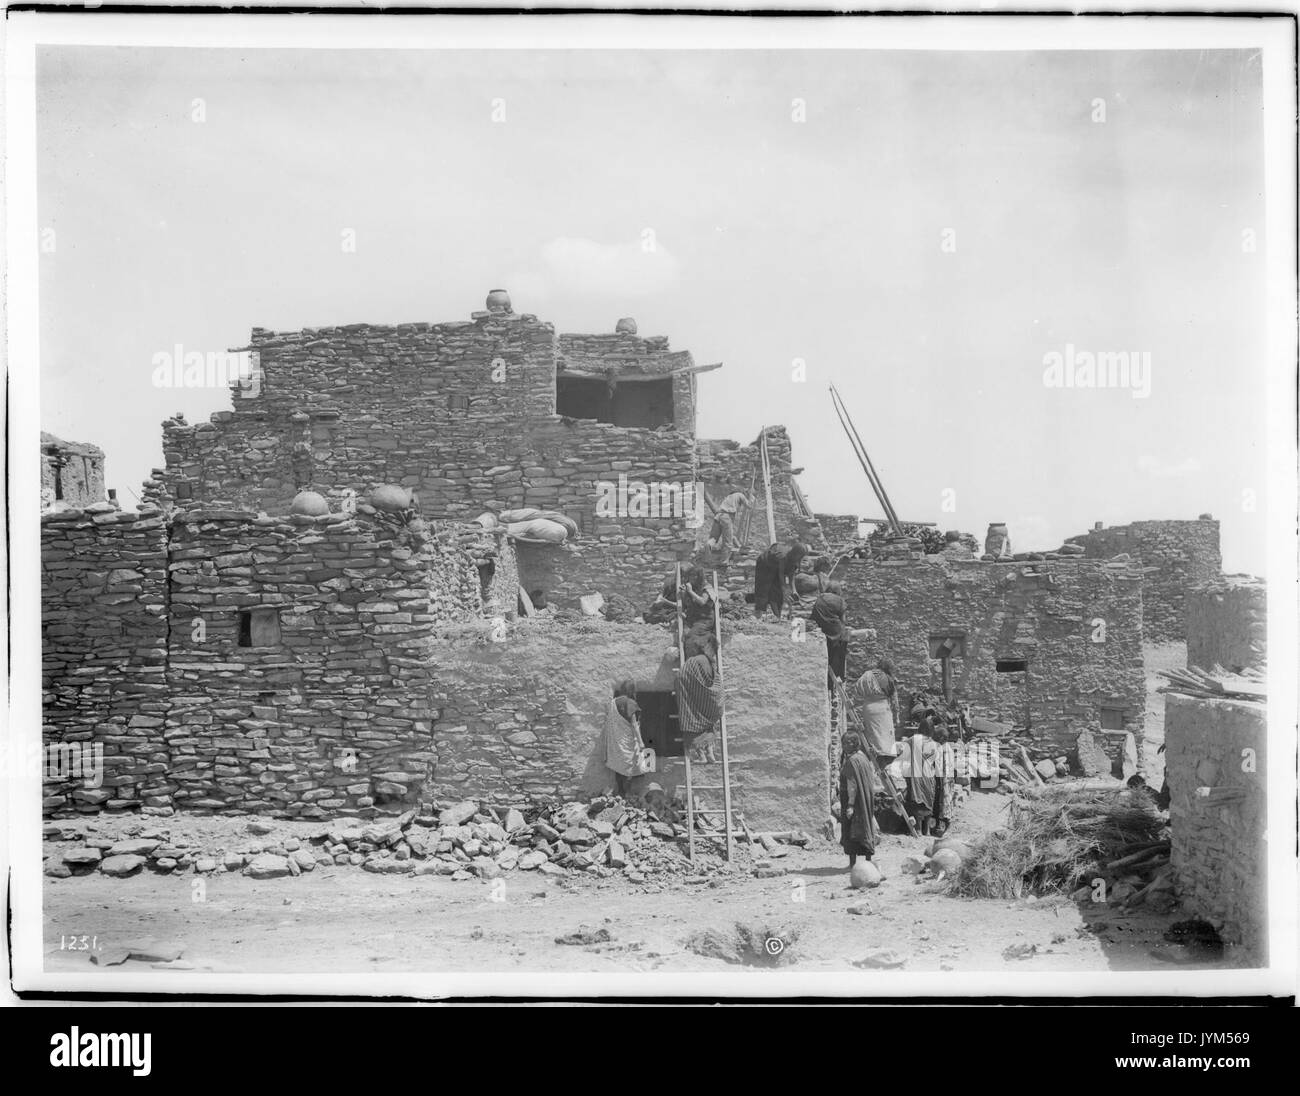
[722, 720]
[860, 451]
[767, 487]
[686, 746]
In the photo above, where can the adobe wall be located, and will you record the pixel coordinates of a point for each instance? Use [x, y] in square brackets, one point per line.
[1176, 556]
[1045, 612]
[72, 473]
[1219, 848]
[1227, 623]
[524, 717]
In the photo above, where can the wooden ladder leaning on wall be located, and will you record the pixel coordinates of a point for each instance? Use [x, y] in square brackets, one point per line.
[733, 819]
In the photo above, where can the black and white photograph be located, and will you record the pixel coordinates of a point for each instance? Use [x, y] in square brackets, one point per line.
[651, 506]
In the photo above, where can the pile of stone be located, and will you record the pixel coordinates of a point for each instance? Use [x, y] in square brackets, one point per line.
[466, 840]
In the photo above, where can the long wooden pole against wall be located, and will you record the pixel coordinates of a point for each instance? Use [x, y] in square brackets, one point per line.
[686, 746]
[767, 487]
[722, 718]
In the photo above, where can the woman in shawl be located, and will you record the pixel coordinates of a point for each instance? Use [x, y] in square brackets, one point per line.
[919, 757]
[623, 734]
[877, 690]
[699, 703]
[858, 832]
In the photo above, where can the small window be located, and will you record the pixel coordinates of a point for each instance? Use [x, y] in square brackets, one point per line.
[58, 481]
[659, 727]
[1112, 719]
[1012, 665]
[458, 403]
[259, 628]
[184, 491]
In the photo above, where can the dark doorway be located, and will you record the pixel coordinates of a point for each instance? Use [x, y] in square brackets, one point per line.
[638, 403]
[659, 727]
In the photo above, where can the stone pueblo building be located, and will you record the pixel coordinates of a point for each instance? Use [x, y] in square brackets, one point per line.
[270, 634]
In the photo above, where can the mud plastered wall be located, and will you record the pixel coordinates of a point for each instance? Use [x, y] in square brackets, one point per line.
[1227, 624]
[1219, 852]
[1176, 556]
[258, 664]
[72, 473]
[1077, 623]
[523, 718]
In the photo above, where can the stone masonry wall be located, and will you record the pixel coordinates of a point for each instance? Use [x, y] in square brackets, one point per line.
[1045, 612]
[523, 717]
[464, 414]
[839, 529]
[1219, 851]
[104, 652]
[197, 709]
[1227, 624]
[1176, 556]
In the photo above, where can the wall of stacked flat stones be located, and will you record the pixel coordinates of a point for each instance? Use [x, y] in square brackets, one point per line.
[1042, 611]
[335, 719]
[79, 473]
[725, 466]
[357, 406]
[839, 529]
[142, 657]
[1219, 852]
[1227, 624]
[650, 355]
[1177, 554]
[523, 718]
[104, 651]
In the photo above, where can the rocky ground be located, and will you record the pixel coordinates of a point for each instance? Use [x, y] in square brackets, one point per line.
[338, 919]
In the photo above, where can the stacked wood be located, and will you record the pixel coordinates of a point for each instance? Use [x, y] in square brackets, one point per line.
[1219, 684]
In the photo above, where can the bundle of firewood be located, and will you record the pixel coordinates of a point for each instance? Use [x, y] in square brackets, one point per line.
[1142, 877]
[1220, 684]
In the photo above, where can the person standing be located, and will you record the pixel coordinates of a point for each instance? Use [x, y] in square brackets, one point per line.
[722, 535]
[623, 742]
[859, 834]
[918, 761]
[877, 690]
[774, 572]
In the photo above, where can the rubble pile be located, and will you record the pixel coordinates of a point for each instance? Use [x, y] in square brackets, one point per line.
[466, 840]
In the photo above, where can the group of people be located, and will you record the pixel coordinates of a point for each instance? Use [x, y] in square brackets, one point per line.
[784, 578]
[927, 761]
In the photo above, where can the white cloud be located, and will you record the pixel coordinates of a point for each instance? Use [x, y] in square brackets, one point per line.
[585, 268]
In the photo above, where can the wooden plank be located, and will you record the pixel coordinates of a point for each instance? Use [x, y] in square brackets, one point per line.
[722, 718]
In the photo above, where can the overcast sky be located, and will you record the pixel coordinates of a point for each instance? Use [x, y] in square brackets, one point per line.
[935, 226]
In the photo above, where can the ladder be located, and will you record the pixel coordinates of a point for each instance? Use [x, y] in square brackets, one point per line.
[733, 820]
[891, 793]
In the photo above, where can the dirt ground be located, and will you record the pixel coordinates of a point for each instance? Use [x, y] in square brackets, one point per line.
[344, 920]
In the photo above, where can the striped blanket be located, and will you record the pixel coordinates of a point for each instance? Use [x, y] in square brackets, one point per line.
[699, 697]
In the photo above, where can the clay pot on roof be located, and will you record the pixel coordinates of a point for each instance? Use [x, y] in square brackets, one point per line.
[498, 300]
